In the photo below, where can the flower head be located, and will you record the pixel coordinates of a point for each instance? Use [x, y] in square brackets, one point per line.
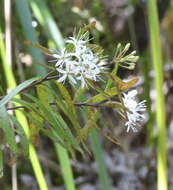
[135, 109]
[80, 63]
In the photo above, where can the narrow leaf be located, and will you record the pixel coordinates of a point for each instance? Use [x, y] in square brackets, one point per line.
[122, 86]
[46, 20]
[50, 115]
[96, 87]
[30, 35]
[78, 94]
[1, 162]
[8, 131]
[16, 90]
[34, 129]
[110, 92]
[38, 46]
[100, 97]
[43, 94]
[23, 138]
[89, 125]
[87, 28]
[67, 99]
[64, 108]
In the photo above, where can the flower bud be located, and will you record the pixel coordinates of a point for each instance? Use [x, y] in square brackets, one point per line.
[119, 45]
[127, 47]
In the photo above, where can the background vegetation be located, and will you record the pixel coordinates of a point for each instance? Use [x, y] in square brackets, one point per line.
[144, 159]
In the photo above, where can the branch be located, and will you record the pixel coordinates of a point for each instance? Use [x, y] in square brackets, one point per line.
[53, 103]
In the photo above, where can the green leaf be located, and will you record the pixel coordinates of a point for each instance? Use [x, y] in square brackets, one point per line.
[30, 34]
[113, 104]
[30, 106]
[1, 162]
[8, 131]
[122, 86]
[46, 20]
[64, 108]
[34, 129]
[86, 28]
[49, 132]
[16, 90]
[100, 97]
[38, 46]
[43, 94]
[23, 138]
[92, 117]
[96, 87]
[100, 161]
[110, 92]
[79, 93]
[67, 129]
[50, 115]
[65, 167]
[67, 99]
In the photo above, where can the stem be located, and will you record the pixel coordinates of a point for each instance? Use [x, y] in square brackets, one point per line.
[14, 177]
[37, 168]
[100, 160]
[53, 103]
[114, 72]
[147, 85]
[65, 166]
[160, 100]
[96, 105]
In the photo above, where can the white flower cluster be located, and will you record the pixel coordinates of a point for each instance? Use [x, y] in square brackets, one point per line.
[80, 64]
[135, 110]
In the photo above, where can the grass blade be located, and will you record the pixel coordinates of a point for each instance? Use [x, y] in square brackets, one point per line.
[16, 90]
[20, 131]
[45, 18]
[65, 167]
[160, 100]
[99, 156]
[30, 34]
[1, 162]
[22, 119]
[8, 131]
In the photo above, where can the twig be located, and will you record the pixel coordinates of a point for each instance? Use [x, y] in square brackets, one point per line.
[46, 78]
[14, 108]
[53, 103]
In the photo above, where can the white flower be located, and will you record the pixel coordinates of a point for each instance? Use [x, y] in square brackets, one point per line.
[79, 64]
[135, 110]
[78, 42]
[66, 74]
[62, 57]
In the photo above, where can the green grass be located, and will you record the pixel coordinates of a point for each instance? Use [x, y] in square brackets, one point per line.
[160, 101]
[100, 160]
[11, 84]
